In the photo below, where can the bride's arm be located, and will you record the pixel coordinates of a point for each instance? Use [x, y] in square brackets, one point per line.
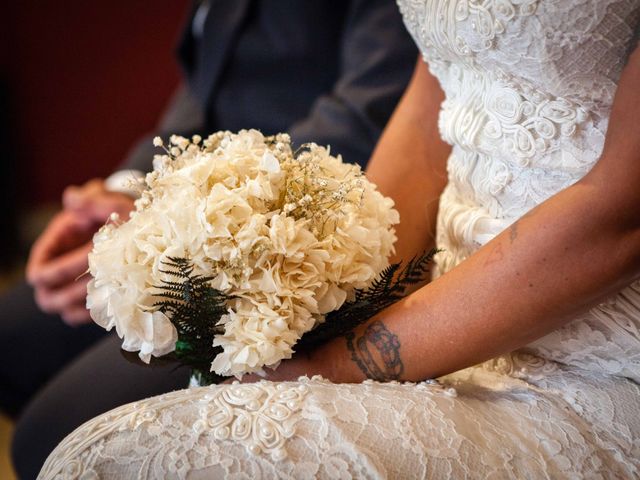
[561, 258]
[409, 163]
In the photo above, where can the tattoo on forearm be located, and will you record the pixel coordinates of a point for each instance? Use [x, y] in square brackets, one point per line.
[495, 255]
[376, 352]
[513, 230]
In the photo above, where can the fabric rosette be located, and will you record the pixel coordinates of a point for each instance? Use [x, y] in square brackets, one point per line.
[286, 236]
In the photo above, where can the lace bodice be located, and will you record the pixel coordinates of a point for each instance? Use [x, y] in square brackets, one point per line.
[529, 86]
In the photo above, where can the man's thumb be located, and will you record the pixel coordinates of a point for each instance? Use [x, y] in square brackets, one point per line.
[100, 207]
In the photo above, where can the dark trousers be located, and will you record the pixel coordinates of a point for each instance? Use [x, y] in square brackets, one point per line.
[53, 377]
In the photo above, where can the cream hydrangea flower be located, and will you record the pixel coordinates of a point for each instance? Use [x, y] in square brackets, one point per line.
[289, 237]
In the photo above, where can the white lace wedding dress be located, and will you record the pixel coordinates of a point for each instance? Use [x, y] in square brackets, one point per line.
[529, 86]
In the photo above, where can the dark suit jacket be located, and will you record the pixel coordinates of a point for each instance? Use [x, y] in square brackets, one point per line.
[327, 71]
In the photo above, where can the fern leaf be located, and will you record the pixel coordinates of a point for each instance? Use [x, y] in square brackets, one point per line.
[194, 308]
[388, 288]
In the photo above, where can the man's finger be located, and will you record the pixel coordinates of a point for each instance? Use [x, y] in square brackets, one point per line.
[65, 268]
[76, 316]
[61, 299]
[50, 243]
[100, 207]
[74, 196]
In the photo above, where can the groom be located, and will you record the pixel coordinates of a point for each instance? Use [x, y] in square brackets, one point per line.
[329, 72]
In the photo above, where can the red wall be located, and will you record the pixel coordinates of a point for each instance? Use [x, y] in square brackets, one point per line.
[85, 79]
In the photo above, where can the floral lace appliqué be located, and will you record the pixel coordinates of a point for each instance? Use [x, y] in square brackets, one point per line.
[261, 416]
[487, 19]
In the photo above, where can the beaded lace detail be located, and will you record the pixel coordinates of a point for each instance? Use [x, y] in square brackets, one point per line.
[496, 422]
[176, 433]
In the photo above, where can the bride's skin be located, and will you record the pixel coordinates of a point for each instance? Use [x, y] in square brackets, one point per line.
[561, 258]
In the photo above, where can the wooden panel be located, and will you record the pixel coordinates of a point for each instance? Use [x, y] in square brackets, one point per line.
[85, 79]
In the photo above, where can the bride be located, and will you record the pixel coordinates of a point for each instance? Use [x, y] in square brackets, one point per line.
[510, 145]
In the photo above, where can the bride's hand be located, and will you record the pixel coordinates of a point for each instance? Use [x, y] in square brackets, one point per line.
[300, 365]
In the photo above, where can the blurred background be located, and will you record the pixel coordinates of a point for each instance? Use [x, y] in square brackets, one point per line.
[79, 83]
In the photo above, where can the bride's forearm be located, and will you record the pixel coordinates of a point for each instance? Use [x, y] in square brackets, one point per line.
[563, 257]
[548, 266]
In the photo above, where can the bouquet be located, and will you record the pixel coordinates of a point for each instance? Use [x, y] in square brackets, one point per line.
[241, 250]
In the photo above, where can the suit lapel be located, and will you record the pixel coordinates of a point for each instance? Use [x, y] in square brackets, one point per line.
[221, 27]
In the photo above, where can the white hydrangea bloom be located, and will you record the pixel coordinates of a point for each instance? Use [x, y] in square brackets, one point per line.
[289, 237]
